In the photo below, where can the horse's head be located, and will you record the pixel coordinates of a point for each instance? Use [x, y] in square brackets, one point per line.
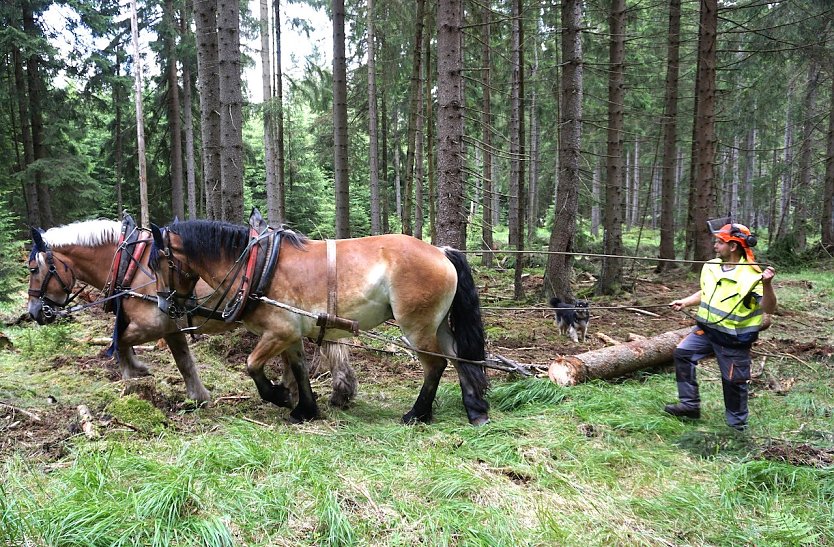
[175, 278]
[50, 281]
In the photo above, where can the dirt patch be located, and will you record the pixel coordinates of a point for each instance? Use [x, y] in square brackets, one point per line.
[799, 454]
[42, 436]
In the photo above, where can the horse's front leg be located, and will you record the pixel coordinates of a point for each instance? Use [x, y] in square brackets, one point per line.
[278, 394]
[129, 365]
[194, 388]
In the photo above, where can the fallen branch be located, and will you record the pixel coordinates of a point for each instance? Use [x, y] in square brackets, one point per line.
[607, 339]
[31, 415]
[644, 312]
[615, 361]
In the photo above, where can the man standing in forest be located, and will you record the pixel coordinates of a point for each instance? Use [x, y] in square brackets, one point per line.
[732, 304]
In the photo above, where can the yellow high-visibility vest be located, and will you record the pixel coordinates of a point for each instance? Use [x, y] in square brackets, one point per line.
[730, 299]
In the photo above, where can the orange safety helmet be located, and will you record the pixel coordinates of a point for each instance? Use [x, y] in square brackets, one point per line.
[740, 234]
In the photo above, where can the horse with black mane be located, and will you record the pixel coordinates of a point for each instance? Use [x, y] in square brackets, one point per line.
[428, 291]
[88, 252]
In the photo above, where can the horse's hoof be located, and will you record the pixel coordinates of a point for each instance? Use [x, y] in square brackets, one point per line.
[297, 417]
[411, 419]
[479, 421]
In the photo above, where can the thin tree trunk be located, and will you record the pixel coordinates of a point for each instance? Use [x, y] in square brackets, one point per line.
[188, 119]
[33, 216]
[231, 107]
[670, 129]
[373, 143]
[140, 118]
[340, 136]
[205, 21]
[596, 199]
[557, 275]
[486, 128]
[429, 125]
[612, 242]
[174, 125]
[280, 193]
[451, 223]
[517, 201]
[418, 157]
[749, 170]
[803, 186]
[384, 189]
[533, 185]
[705, 138]
[827, 217]
[118, 139]
[413, 91]
[268, 107]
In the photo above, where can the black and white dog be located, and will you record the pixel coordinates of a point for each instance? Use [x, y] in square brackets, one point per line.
[572, 318]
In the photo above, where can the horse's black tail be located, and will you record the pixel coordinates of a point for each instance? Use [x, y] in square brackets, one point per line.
[467, 325]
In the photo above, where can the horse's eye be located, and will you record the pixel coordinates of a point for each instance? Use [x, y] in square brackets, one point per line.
[34, 270]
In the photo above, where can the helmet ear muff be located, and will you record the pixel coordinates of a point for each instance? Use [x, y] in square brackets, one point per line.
[750, 240]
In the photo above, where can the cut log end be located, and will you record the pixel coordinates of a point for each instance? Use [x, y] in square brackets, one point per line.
[566, 372]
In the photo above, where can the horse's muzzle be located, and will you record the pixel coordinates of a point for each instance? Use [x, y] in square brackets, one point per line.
[42, 313]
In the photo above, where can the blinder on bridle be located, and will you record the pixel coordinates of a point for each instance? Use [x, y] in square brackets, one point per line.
[49, 307]
[169, 300]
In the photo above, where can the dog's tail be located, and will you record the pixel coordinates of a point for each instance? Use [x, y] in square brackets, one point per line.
[555, 302]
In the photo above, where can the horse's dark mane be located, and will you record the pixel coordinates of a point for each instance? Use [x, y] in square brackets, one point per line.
[202, 240]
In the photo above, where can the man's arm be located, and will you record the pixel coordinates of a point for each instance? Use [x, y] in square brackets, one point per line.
[692, 300]
[768, 302]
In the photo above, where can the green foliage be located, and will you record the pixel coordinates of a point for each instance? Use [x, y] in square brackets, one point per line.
[46, 341]
[11, 251]
[530, 391]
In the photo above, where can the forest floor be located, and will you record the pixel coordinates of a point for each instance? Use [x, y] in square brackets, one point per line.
[525, 335]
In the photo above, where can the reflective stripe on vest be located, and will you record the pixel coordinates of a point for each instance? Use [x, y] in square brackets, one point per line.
[722, 295]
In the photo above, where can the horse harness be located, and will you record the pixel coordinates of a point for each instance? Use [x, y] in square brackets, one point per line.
[126, 262]
[49, 306]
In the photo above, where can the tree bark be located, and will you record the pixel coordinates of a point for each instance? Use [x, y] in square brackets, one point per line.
[174, 125]
[280, 195]
[827, 217]
[33, 215]
[701, 204]
[140, 118]
[451, 218]
[267, 108]
[803, 186]
[231, 107]
[557, 276]
[429, 126]
[188, 119]
[517, 199]
[205, 21]
[340, 135]
[615, 361]
[486, 129]
[373, 139]
[612, 241]
[413, 108]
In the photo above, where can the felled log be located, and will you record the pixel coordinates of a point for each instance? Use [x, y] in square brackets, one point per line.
[88, 425]
[614, 361]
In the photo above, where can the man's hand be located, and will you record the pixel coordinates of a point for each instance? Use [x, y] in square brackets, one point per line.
[768, 275]
[678, 305]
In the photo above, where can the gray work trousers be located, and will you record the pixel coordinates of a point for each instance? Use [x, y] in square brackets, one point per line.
[735, 375]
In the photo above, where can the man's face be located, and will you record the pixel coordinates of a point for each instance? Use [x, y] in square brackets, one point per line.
[723, 250]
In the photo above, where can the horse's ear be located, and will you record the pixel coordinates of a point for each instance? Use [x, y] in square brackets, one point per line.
[255, 218]
[157, 236]
[176, 219]
[37, 239]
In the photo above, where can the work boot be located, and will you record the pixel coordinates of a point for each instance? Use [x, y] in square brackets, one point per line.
[682, 411]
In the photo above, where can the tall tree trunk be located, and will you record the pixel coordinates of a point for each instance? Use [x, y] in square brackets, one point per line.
[145, 217]
[749, 173]
[385, 185]
[118, 139]
[635, 184]
[188, 118]
[340, 136]
[205, 21]
[803, 186]
[174, 125]
[231, 106]
[36, 95]
[451, 223]
[486, 128]
[596, 199]
[517, 200]
[429, 125]
[373, 143]
[533, 185]
[268, 107]
[781, 229]
[700, 205]
[827, 217]
[30, 188]
[670, 129]
[418, 155]
[557, 276]
[612, 241]
[280, 194]
[414, 105]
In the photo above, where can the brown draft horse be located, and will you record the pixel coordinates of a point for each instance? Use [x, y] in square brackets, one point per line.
[84, 252]
[429, 291]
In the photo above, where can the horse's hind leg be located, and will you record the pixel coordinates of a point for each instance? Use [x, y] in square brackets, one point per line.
[336, 358]
[433, 368]
[266, 348]
[295, 360]
[129, 365]
[293, 354]
[473, 382]
[194, 388]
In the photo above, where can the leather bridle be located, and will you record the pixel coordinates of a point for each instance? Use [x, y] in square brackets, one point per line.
[170, 301]
[49, 307]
